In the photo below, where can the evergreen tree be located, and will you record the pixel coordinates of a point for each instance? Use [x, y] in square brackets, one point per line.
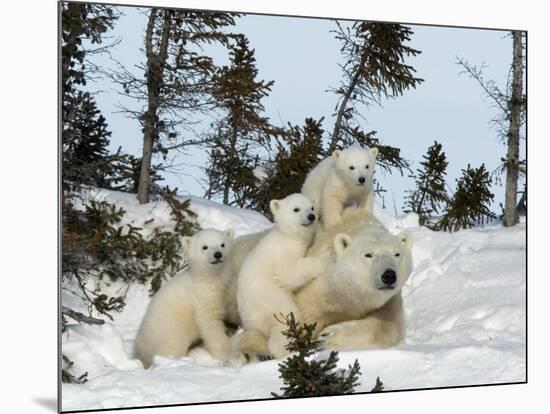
[81, 22]
[429, 195]
[85, 138]
[299, 150]
[176, 82]
[128, 171]
[97, 245]
[85, 159]
[373, 69]
[469, 203]
[235, 170]
[85, 154]
[304, 375]
[243, 130]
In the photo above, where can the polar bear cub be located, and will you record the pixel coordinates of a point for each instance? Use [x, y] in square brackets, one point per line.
[190, 306]
[341, 180]
[275, 268]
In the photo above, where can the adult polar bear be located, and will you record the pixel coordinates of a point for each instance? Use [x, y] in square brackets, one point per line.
[356, 302]
[341, 180]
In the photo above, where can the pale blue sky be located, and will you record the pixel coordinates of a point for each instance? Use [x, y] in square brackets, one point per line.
[301, 56]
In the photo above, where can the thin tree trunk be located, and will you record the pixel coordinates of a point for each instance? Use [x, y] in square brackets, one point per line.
[522, 203]
[512, 156]
[229, 177]
[155, 69]
[226, 191]
[340, 114]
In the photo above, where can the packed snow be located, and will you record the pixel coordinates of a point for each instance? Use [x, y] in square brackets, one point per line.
[464, 305]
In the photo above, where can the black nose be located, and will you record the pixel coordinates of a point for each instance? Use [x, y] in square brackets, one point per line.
[362, 180]
[218, 255]
[311, 217]
[389, 277]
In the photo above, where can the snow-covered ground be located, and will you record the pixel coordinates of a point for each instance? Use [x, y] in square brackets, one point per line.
[465, 310]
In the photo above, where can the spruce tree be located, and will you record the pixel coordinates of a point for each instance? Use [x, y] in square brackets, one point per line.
[80, 23]
[430, 195]
[85, 138]
[176, 82]
[243, 131]
[96, 244]
[298, 151]
[469, 203]
[128, 171]
[374, 68]
[304, 375]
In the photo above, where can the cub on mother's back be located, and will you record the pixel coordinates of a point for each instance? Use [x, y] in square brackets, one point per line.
[340, 181]
[275, 268]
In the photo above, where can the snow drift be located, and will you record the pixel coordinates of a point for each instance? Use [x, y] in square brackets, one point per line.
[464, 305]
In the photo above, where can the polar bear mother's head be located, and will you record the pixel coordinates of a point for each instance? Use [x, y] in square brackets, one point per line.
[372, 265]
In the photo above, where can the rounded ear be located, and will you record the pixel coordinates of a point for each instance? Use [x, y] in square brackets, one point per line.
[341, 242]
[374, 152]
[229, 233]
[187, 242]
[274, 206]
[336, 153]
[406, 239]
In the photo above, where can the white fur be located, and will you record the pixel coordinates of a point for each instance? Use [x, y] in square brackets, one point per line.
[193, 304]
[275, 268]
[350, 299]
[345, 301]
[332, 185]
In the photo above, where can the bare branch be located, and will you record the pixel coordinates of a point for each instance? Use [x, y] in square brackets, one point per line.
[489, 87]
[80, 317]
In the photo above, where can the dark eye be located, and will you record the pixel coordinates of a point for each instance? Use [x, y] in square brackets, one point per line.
[367, 167]
[369, 255]
[296, 209]
[397, 254]
[313, 208]
[352, 167]
[223, 244]
[204, 247]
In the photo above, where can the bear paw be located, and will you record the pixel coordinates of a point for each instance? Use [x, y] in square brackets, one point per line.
[235, 361]
[332, 337]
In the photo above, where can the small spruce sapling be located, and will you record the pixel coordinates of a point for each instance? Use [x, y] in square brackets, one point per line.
[303, 375]
[470, 202]
[429, 195]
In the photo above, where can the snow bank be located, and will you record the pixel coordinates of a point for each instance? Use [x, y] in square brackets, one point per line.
[393, 223]
[210, 214]
[464, 303]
